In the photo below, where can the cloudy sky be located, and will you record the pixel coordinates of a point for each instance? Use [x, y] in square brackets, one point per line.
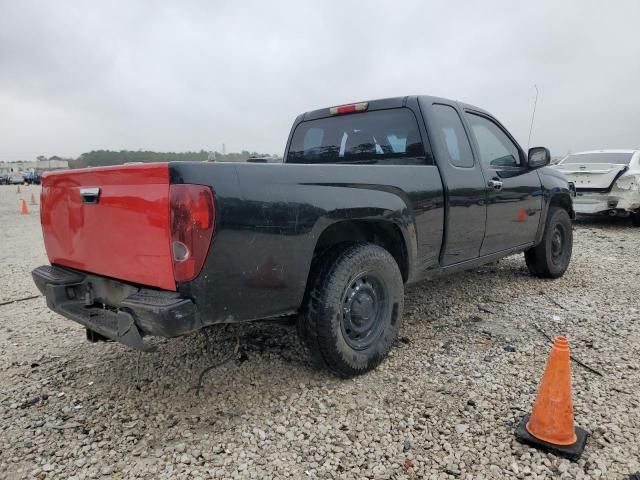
[176, 76]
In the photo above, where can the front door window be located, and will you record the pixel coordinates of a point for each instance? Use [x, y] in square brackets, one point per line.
[496, 149]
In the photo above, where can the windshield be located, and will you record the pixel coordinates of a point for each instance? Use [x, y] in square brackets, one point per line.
[599, 157]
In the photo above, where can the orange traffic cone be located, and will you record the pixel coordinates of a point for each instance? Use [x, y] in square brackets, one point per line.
[23, 207]
[522, 215]
[33, 200]
[550, 426]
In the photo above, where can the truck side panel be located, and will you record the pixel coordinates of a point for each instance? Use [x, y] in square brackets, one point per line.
[269, 219]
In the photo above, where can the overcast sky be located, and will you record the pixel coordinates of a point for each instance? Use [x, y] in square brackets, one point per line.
[177, 76]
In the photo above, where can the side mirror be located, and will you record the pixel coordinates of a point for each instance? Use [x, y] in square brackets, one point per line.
[538, 157]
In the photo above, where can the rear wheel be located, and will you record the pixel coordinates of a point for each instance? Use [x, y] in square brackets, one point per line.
[551, 257]
[354, 310]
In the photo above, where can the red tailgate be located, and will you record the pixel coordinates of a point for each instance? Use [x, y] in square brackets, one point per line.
[124, 235]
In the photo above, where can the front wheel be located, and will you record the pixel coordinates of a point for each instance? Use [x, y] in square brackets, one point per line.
[354, 310]
[551, 257]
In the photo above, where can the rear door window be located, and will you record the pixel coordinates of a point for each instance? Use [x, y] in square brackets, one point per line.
[381, 137]
[450, 134]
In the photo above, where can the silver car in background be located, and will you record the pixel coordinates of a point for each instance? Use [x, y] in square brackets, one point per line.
[606, 181]
[15, 179]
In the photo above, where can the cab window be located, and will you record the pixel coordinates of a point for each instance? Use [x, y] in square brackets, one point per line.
[380, 137]
[495, 148]
[450, 134]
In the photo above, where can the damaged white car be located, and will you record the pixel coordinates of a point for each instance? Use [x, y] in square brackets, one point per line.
[606, 181]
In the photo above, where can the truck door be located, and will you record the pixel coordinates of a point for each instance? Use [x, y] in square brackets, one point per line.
[463, 182]
[514, 193]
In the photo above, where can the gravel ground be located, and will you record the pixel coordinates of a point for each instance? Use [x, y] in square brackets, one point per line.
[444, 405]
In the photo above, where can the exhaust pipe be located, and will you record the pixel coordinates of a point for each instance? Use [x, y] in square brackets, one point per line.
[618, 213]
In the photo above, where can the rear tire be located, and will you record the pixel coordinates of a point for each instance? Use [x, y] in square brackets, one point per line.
[354, 310]
[551, 257]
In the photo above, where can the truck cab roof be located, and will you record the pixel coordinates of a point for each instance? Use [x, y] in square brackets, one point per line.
[385, 103]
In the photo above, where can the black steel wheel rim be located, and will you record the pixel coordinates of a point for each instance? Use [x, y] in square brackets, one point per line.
[364, 304]
[558, 241]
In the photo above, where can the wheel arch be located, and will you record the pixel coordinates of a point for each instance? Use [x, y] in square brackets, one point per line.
[339, 235]
[561, 199]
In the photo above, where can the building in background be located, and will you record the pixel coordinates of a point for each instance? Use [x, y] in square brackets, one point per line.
[40, 165]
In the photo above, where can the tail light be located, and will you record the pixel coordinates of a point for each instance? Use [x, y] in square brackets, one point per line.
[192, 222]
[627, 182]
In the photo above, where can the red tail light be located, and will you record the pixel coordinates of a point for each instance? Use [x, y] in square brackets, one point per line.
[192, 223]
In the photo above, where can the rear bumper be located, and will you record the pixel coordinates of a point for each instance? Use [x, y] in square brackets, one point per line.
[590, 202]
[117, 310]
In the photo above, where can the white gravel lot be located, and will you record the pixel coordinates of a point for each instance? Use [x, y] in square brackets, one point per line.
[444, 405]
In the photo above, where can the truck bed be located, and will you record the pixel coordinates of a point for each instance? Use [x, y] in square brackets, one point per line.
[269, 218]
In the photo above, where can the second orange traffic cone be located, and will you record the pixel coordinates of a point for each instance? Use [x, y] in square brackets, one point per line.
[23, 207]
[550, 426]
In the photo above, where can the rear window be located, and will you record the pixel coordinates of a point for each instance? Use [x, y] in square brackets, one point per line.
[600, 157]
[383, 137]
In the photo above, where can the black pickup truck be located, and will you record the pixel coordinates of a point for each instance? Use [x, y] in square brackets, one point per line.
[370, 196]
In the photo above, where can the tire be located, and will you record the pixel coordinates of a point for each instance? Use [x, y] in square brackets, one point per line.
[635, 219]
[551, 257]
[354, 309]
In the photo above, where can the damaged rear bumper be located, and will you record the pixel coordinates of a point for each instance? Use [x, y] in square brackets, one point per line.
[116, 310]
[592, 202]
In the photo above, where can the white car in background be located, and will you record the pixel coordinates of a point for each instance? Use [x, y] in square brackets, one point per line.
[606, 181]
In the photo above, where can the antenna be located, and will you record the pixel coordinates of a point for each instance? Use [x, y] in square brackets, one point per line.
[535, 102]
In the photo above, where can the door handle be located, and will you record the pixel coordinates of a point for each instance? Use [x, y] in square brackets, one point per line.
[495, 184]
[90, 195]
